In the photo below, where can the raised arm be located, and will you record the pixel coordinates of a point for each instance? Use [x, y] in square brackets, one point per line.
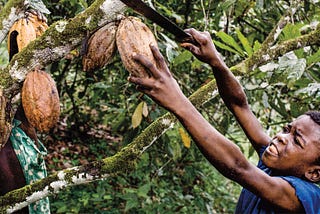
[229, 87]
[222, 153]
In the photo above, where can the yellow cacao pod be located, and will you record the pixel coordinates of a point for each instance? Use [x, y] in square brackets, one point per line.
[133, 36]
[40, 26]
[23, 31]
[40, 100]
[100, 48]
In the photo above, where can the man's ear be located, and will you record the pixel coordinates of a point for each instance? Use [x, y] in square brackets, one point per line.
[313, 174]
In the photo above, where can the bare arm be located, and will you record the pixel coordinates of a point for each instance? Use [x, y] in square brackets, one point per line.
[222, 153]
[229, 87]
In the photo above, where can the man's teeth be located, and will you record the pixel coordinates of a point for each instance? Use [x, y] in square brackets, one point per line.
[273, 149]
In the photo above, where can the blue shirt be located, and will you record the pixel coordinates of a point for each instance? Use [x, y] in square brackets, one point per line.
[308, 193]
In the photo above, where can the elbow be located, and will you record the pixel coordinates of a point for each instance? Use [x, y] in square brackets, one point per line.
[236, 99]
[237, 170]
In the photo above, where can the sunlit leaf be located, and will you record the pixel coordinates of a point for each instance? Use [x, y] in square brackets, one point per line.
[227, 39]
[182, 57]
[227, 4]
[290, 31]
[185, 138]
[314, 58]
[256, 46]
[245, 43]
[137, 115]
[225, 47]
[145, 111]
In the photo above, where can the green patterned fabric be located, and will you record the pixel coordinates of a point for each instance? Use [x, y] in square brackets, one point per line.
[32, 163]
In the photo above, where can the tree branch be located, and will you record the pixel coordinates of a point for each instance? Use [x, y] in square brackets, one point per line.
[266, 54]
[13, 10]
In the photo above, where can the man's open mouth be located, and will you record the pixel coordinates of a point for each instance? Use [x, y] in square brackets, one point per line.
[273, 149]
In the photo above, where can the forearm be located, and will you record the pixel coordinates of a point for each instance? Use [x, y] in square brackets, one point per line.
[219, 151]
[235, 99]
[229, 87]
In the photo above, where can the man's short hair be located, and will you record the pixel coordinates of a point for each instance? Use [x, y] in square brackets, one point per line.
[315, 116]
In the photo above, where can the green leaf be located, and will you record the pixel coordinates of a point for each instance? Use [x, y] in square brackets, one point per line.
[225, 5]
[291, 67]
[256, 46]
[225, 47]
[290, 31]
[144, 190]
[230, 41]
[183, 57]
[314, 58]
[245, 43]
[131, 203]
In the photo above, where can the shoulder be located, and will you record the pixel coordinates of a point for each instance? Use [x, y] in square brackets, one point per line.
[308, 193]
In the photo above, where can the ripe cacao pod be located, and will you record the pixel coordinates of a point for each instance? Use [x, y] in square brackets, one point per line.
[133, 36]
[23, 31]
[40, 100]
[100, 47]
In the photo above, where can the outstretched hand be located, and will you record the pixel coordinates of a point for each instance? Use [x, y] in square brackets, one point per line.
[204, 48]
[160, 86]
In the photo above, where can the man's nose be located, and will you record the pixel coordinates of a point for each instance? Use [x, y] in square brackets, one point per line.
[282, 137]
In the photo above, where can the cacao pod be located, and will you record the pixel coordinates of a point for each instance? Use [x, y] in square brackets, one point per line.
[23, 31]
[133, 36]
[100, 48]
[40, 100]
[40, 26]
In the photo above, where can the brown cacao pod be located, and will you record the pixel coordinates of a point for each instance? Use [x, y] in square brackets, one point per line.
[100, 48]
[133, 36]
[40, 100]
[23, 31]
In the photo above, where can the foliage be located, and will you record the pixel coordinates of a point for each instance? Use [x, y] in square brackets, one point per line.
[171, 177]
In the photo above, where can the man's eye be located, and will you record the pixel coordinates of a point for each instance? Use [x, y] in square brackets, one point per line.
[286, 129]
[296, 141]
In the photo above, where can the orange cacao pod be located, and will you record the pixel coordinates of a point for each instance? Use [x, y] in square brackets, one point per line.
[40, 100]
[133, 36]
[101, 48]
[23, 31]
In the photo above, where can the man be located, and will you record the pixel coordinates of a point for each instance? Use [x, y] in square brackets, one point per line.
[289, 163]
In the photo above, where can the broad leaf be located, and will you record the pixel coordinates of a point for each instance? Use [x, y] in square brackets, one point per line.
[245, 43]
[137, 115]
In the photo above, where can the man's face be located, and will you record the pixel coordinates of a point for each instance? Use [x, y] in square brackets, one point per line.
[294, 149]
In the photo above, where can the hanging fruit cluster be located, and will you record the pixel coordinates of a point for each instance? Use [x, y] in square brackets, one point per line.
[39, 95]
[131, 36]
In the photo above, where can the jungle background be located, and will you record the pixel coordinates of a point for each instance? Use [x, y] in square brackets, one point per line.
[102, 112]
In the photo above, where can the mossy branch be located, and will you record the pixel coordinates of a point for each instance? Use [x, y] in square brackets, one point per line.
[13, 10]
[267, 53]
